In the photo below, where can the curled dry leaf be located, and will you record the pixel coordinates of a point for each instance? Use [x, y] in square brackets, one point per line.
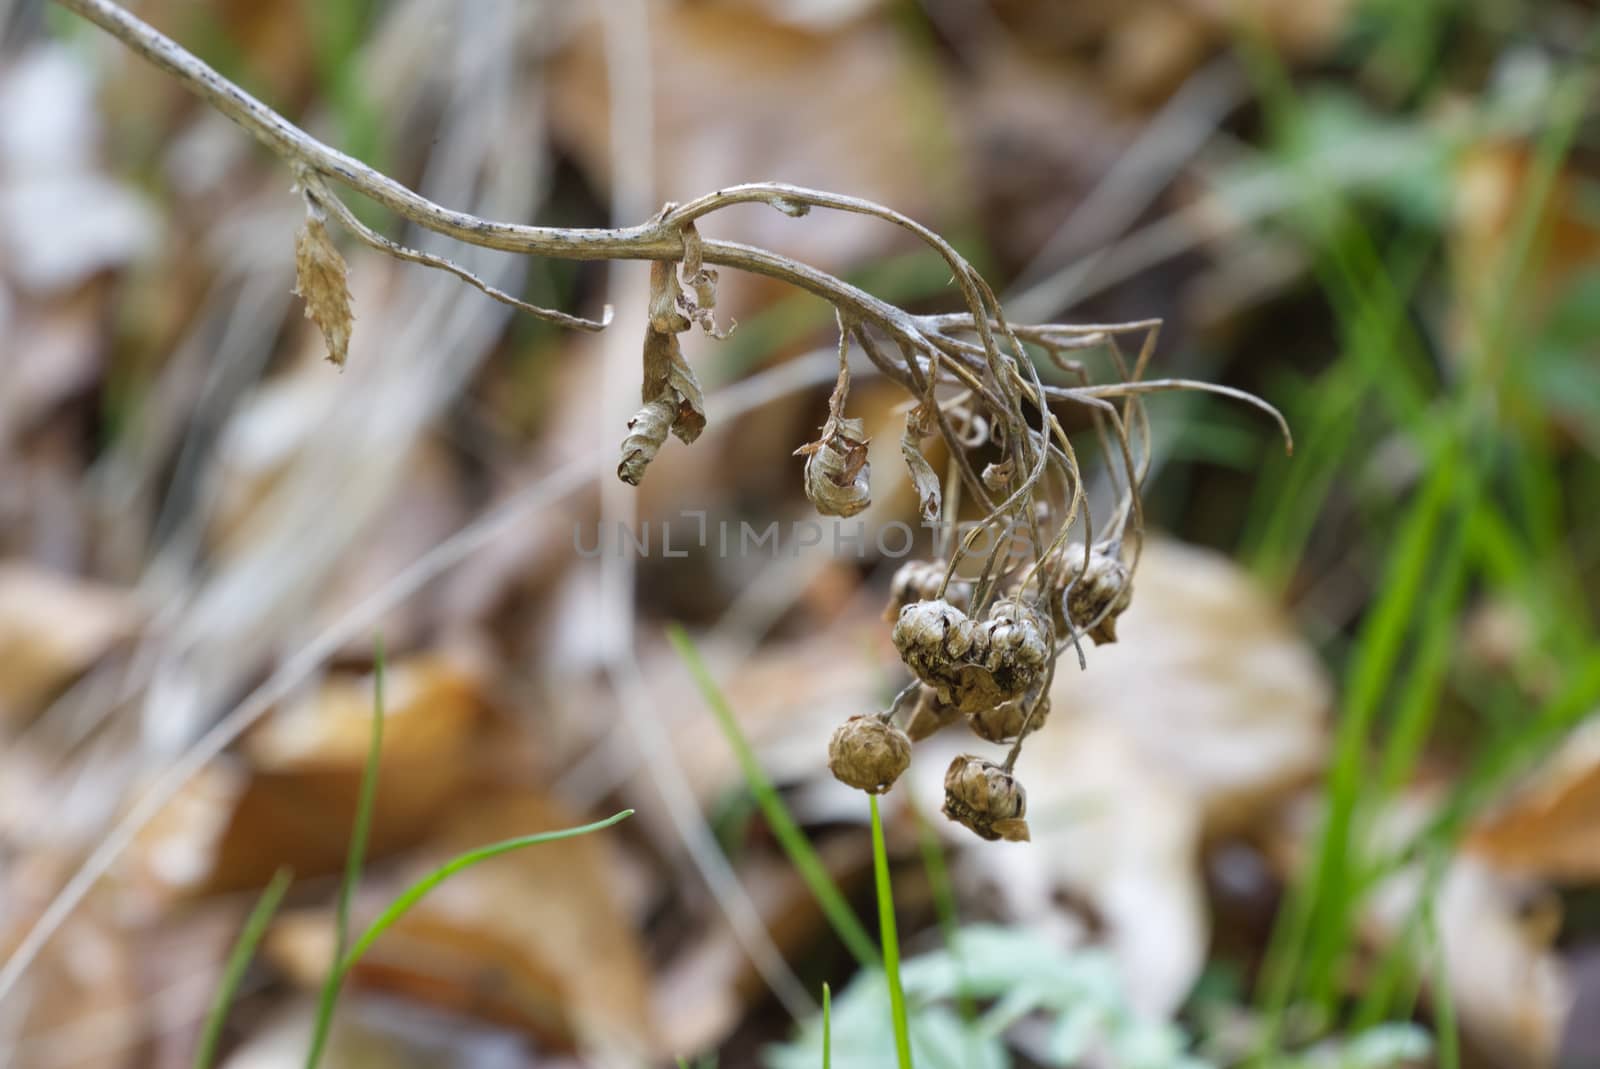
[672, 397]
[322, 279]
[837, 476]
[930, 504]
[647, 433]
[700, 302]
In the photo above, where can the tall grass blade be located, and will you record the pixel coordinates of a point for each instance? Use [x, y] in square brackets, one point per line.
[827, 1027]
[255, 926]
[790, 837]
[1447, 1039]
[365, 802]
[891, 941]
[461, 862]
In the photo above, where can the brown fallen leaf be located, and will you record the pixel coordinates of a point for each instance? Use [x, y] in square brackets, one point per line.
[1510, 990]
[1492, 181]
[1211, 683]
[53, 627]
[367, 1034]
[1549, 827]
[535, 939]
[289, 797]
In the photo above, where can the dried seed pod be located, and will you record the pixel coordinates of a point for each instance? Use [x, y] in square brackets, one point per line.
[868, 754]
[1004, 722]
[986, 798]
[1008, 652]
[930, 715]
[933, 638]
[322, 278]
[1102, 591]
[838, 477]
[919, 580]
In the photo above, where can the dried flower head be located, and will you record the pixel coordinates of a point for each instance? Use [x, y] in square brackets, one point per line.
[1010, 720]
[973, 666]
[1099, 592]
[933, 638]
[868, 754]
[929, 715]
[1008, 653]
[986, 798]
[919, 580]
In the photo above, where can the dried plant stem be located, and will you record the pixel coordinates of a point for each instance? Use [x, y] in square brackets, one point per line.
[971, 368]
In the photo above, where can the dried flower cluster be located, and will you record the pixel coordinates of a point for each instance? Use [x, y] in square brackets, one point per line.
[981, 630]
[984, 640]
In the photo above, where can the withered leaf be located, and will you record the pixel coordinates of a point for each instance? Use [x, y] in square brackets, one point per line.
[647, 430]
[672, 401]
[321, 277]
[930, 500]
[837, 475]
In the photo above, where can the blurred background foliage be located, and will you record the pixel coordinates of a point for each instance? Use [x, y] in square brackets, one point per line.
[1342, 770]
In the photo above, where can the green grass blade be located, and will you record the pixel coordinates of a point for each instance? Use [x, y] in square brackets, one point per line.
[827, 1027]
[1315, 921]
[365, 802]
[944, 907]
[255, 926]
[415, 893]
[1446, 1036]
[1419, 696]
[891, 941]
[788, 833]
